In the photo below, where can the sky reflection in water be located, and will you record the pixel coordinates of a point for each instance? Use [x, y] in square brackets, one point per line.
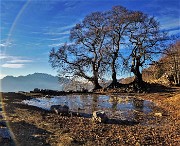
[114, 106]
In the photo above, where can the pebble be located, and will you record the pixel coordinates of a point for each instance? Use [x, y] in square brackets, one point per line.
[158, 114]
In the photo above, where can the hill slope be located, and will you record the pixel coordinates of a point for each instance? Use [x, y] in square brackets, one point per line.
[31, 81]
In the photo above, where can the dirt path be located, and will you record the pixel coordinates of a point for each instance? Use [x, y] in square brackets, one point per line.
[36, 127]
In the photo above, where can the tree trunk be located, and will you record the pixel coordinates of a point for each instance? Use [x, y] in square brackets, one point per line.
[96, 85]
[114, 83]
[95, 80]
[114, 79]
[178, 77]
[175, 79]
[138, 79]
[138, 82]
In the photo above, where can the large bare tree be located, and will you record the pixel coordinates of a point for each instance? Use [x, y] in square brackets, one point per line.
[118, 20]
[146, 40]
[84, 58]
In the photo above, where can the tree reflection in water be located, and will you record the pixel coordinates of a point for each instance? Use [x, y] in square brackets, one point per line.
[114, 102]
[138, 108]
[94, 102]
[138, 104]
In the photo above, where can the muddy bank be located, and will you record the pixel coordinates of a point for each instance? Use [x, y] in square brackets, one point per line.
[34, 126]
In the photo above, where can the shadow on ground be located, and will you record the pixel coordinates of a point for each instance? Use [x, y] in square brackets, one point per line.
[29, 135]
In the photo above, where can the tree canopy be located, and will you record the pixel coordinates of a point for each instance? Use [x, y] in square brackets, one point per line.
[96, 44]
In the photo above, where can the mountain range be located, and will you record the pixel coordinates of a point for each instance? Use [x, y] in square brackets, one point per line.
[31, 81]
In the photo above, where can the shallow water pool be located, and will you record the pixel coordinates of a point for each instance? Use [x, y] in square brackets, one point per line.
[123, 107]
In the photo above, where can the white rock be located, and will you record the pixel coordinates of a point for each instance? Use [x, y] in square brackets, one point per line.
[158, 114]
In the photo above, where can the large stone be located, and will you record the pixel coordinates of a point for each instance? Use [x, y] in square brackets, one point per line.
[59, 109]
[99, 116]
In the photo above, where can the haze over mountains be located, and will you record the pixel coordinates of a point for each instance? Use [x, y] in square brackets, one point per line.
[31, 81]
[41, 81]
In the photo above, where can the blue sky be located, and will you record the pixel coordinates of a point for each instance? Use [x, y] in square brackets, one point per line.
[30, 28]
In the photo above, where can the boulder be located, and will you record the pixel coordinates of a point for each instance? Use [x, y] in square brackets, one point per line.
[99, 116]
[59, 109]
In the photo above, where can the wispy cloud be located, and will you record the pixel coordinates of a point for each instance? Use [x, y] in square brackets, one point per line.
[174, 32]
[59, 44]
[169, 23]
[5, 44]
[9, 65]
[67, 27]
[36, 32]
[63, 30]
[14, 59]
[56, 45]
[2, 56]
[19, 61]
[71, 5]
[9, 61]
[57, 33]
[58, 38]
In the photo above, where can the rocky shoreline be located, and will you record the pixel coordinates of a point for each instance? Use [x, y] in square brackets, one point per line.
[33, 126]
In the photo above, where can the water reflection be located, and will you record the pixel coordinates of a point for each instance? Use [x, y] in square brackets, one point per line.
[94, 103]
[114, 101]
[118, 107]
[138, 104]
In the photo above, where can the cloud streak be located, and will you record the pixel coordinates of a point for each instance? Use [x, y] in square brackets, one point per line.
[169, 23]
[57, 33]
[13, 61]
[19, 61]
[9, 65]
[56, 45]
[5, 44]
[63, 30]
[59, 44]
[58, 38]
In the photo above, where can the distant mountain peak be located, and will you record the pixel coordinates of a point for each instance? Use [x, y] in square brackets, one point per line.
[31, 81]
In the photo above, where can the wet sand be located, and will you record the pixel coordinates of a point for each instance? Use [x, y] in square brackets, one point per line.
[33, 126]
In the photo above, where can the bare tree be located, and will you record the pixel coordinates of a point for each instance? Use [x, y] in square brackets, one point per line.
[173, 55]
[90, 37]
[118, 19]
[84, 58]
[146, 40]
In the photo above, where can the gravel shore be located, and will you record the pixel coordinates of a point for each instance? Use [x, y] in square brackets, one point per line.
[32, 126]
